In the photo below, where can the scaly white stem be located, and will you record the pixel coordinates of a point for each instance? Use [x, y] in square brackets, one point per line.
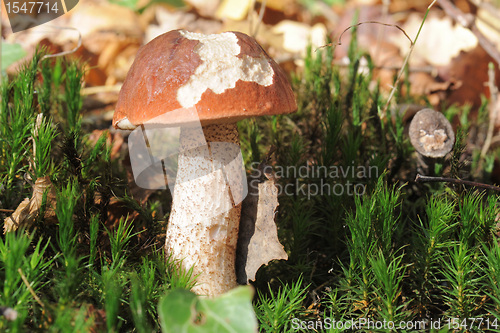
[204, 221]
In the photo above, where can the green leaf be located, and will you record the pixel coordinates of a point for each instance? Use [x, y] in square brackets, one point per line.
[176, 310]
[181, 311]
[173, 3]
[10, 54]
[131, 4]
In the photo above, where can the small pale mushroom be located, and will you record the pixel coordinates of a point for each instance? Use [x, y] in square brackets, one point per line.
[225, 78]
[431, 133]
[432, 136]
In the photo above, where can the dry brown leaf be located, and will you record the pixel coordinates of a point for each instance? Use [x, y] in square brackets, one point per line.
[435, 90]
[110, 36]
[91, 18]
[487, 22]
[269, 40]
[367, 34]
[234, 9]
[258, 241]
[28, 210]
[433, 48]
[402, 6]
[205, 8]
[166, 20]
[469, 73]
[110, 39]
[297, 36]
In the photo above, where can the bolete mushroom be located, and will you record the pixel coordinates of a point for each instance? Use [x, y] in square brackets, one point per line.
[225, 78]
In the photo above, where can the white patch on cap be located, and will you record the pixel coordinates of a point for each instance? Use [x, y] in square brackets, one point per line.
[125, 124]
[221, 68]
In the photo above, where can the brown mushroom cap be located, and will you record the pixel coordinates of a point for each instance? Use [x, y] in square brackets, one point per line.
[226, 77]
[431, 133]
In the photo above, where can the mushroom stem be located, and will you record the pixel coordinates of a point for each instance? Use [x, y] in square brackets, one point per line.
[204, 220]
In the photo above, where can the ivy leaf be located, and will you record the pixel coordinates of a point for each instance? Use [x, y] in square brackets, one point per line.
[181, 311]
[11, 53]
[130, 4]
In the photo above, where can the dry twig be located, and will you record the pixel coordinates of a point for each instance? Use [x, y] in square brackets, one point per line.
[428, 179]
[28, 285]
[405, 63]
[253, 32]
[494, 111]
